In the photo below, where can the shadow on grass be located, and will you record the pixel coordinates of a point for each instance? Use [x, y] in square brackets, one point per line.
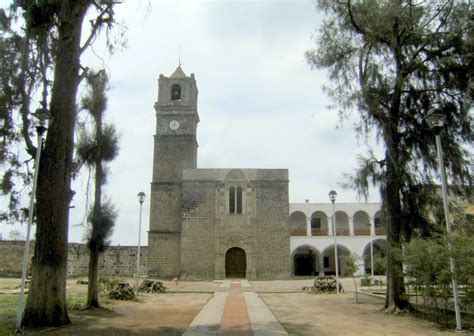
[103, 322]
[444, 319]
[303, 329]
[109, 331]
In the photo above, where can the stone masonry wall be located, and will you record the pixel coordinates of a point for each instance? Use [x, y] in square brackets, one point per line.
[164, 236]
[273, 235]
[198, 248]
[117, 260]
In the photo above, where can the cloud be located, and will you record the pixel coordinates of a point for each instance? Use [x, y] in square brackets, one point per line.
[260, 104]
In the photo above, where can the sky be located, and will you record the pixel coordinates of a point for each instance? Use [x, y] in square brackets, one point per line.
[260, 103]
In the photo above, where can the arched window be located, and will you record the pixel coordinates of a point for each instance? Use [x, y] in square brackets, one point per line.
[235, 200]
[176, 92]
[232, 200]
[239, 200]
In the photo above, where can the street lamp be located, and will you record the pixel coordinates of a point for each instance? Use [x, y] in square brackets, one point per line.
[332, 196]
[435, 121]
[42, 115]
[141, 198]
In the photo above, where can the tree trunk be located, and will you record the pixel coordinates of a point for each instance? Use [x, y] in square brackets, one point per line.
[395, 298]
[395, 281]
[392, 201]
[92, 297]
[355, 286]
[92, 289]
[46, 303]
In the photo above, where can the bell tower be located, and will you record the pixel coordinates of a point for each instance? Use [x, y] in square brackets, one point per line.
[175, 149]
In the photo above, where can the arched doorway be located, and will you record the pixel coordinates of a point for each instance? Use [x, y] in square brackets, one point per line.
[305, 261]
[329, 260]
[379, 248]
[235, 263]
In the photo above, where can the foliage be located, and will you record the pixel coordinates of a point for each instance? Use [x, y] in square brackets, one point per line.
[380, 263]
[29, 42]
[463, 243]
[95, 149]
[40, 49]
[87, 148]
[427, 265]
[326, 284]
[103, 219]
[394, 62]
[351, 264]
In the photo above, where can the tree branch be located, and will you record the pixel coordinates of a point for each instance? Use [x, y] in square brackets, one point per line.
[411, 65]
[351, 16]
[25, 96]
[96, 24]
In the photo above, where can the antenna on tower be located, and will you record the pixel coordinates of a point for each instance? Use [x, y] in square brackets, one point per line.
[179, 56]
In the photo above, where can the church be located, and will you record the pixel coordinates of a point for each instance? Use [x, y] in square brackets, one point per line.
[210, 223]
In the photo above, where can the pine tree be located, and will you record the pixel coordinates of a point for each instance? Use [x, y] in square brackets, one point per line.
[95, 149]
[395, 62]
[40, 49]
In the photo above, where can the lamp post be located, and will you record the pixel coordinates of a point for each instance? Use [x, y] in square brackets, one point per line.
[372, 230]
[332, 196]
[435, 121]
[141, 198]
[42, 115]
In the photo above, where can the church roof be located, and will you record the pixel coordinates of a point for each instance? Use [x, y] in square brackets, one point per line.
[178, 73]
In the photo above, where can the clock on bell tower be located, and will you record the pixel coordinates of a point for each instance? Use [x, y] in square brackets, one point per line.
[175, 149]
[176, 123]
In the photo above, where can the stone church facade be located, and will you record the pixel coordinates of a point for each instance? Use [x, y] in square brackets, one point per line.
[210, 223]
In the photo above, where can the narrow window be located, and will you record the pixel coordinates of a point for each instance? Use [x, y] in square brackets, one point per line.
[232, 200]
[239, 200]
[326, 262]
[175, 92]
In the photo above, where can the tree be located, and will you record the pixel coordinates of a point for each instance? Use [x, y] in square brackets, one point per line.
[394, 62]
[427, 264]
[95, 149]
[49, 44]
[351, 264]
[463, 243]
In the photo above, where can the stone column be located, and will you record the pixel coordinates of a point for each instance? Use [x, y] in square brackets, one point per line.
[372, 226]
[351, 226]
[321, 264]
[308, 226]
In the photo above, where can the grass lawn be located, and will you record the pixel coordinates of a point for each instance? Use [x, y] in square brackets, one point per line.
[8, 309]
[76, 297]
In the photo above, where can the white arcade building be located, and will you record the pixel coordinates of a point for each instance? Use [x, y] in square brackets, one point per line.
[359, 229]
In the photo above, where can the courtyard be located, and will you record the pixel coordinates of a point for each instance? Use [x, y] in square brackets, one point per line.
[295, 311]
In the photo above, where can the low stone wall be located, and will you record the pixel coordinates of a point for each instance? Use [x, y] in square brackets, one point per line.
[11, 257]
[117, 260]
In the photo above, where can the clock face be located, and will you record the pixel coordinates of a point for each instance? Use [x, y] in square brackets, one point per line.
[174, 124]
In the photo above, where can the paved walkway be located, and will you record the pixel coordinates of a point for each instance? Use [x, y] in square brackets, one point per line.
[239, 311]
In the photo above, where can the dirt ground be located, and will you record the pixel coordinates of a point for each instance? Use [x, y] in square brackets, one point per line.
[155, 314]
[325, 315]
[170, 314]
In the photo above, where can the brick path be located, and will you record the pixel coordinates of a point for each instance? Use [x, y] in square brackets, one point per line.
[237, 312]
